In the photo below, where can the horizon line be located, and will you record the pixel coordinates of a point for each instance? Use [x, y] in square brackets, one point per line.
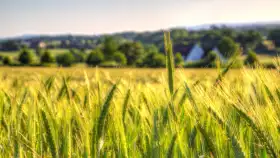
[187, 27]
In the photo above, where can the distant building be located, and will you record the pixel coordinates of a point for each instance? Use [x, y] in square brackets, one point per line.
[196, 53]
[42, 45]
[38, 44]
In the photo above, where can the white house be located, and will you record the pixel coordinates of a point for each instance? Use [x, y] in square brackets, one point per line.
[217, 51]
[195, 54]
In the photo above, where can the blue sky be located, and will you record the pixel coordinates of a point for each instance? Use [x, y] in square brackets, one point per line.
[105, 16]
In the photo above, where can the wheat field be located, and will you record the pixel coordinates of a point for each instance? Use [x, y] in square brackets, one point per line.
[52, 112]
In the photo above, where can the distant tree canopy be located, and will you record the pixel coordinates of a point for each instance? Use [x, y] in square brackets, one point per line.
[274, 35]
[151, 48]
[154, 59]
[10, 45]
[212, 59]
[159, 60]
[251, 58]
[179, 60]
[110, 46]
[228, 32]
[47, 58]
[155, 38]
[78, 55]
[210, 39]
[133, 51]
[95, 58]
[39, 51]
[66, 59]
[249, 39]
[25, 56]
[178, 34]
[7, 60]
[227, 47]
[120, 58]
[148, 59]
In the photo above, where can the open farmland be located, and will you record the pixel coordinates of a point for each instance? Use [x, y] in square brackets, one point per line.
[97, 112]
[73, 112]
[15, 54]
[134, 74]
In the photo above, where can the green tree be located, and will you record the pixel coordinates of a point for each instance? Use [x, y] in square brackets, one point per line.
[249, 39]
[148, 55]
[47, 58]
[229, 32]
[209, 39]
[96, 57]
[179, 34]
[228, 47]
[148, 59]
[66, 59]
[159, 60]
[151, 48]
[78, 55]
[110, 47]
[39, 51]
[133, 51]
[274, 35]
[9, 45]
[252, 58]
[25, 57]
[154, 59]
[7, 60]
[253, 38]
[120, 58]
[179, 60]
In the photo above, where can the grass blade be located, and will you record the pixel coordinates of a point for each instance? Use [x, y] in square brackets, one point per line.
[171, 146]
[125, 103]
[169, 61]
[102, 117]
[49, 134]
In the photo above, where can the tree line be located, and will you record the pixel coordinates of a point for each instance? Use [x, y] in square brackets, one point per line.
[109, 54]
[145, 49]
[132, 54]
[250, 38]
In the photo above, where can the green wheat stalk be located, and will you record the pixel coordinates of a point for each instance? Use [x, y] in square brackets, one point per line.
[169, 61]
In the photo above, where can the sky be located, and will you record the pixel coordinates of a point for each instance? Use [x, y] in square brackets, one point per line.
[18, 17]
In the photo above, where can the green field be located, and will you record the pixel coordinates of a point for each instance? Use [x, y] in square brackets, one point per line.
[97, 112]
[56, 52]
[9, 53]
[82, 112]
[14, 54]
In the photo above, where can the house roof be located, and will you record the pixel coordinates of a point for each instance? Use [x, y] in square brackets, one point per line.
[186, 49]
[196, 53]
